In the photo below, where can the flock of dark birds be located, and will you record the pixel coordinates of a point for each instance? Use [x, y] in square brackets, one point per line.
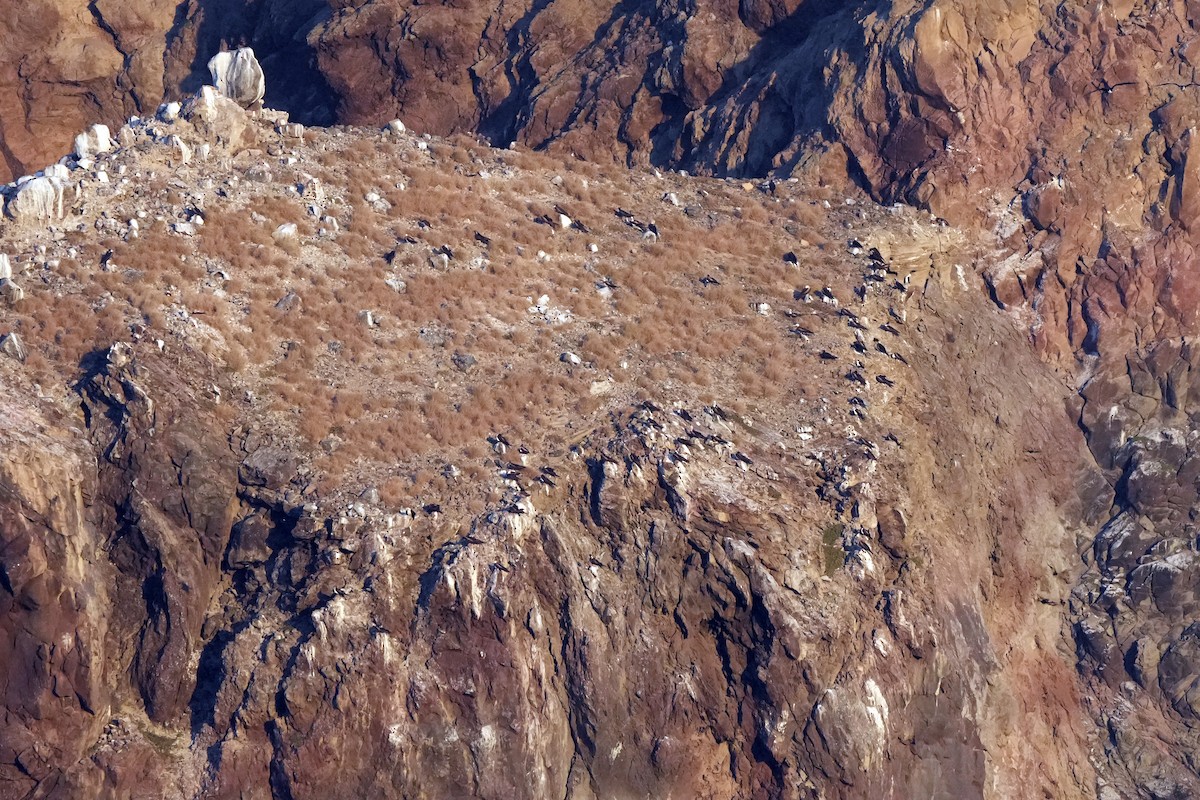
[878, 277]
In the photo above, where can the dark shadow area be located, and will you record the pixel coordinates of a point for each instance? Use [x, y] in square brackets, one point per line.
[210, 676]
[783, 77]
[501, 124]
[277, 30]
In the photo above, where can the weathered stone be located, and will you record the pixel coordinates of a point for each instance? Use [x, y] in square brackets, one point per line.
[12, 346]
[38, 200]
[10, 293]
[238, 76]
[92, 142]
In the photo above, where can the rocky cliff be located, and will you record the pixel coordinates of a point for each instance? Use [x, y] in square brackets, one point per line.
[328, 481]
[1047, 465]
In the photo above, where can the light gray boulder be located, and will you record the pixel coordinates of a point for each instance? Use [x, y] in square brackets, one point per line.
[93, 141]
[238, 75]
[12, 346]
[10, 293]
[59, 171]
[38, 200]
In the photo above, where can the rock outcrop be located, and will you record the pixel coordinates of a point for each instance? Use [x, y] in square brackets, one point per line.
[38, 200]
[238, 75]
[65, 66]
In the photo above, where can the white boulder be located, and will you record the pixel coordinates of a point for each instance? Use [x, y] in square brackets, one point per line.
[38, 200]
[286, 232]
[5, 267]
[181, 149]
[238, 76]
[93, 141]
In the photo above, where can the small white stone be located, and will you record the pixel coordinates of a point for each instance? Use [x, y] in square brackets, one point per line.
[287, 230]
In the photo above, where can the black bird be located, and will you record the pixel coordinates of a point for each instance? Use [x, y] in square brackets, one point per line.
[742, 458]
[861, 292]
[801, 331]
[543, 219]
[708, 280]
[432, 508]
[423, 224]
[855, 376]
[891, 437]
[899, 358]
[444, 250]
[828, 356]
[623, 214]
[545, 481]
[879, 346]
[827, 293]
[653, 409]
[875, 255]
[483, 240]
[406, 239]
[859, 347]
[683, 413]
[652, 228]
[858, 326]
[892, 313]
[854, 243]
[888, 327]
[885, 380]
[502, 439]
[790, 258]
[858, 401]
[845, 312]
[548, 471]
[899, 287]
